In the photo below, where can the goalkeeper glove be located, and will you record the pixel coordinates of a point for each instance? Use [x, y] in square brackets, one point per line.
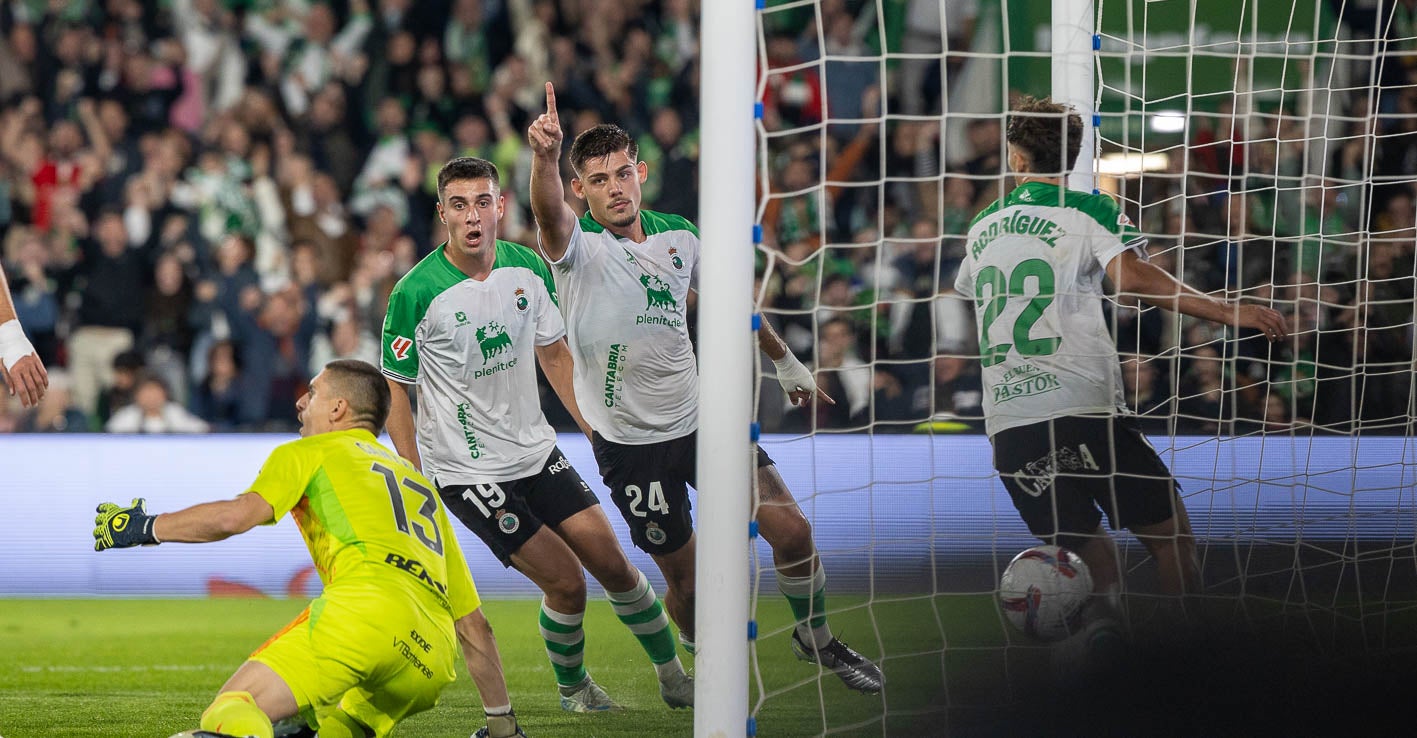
[794, 377]
[124, 527]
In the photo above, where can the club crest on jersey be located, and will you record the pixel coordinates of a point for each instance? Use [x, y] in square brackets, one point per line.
[508, 522]
[674, 258]
[521, 301]
[400, 346]
[493, 340]
[655, 534]
[460, 317]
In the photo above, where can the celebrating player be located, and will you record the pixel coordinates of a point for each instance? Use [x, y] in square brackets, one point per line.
[20, 367]
[624, 275]
[380, 643]
[1064, 443]
[464, 326]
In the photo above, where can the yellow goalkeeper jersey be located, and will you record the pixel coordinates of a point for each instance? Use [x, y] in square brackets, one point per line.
[366, 512]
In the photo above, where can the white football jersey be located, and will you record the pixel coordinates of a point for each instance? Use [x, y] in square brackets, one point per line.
[470, 349]
[1033, 268]
[636, 377]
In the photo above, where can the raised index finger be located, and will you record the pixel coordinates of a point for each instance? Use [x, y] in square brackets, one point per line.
[551, 100]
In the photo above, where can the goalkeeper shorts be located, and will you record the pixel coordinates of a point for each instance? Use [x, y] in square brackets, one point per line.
[377, 651]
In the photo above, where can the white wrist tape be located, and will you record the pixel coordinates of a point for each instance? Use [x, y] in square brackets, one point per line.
[793, 376]
[13, 344]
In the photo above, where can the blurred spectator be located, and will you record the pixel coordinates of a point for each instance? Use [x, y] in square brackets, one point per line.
[1203, 406]
[1144, 394]
[127, 369]
[273, 333]
[217, 398]
[674, 159]
[153, 411]
[841, 374]
[792, 98]
[346, 340]
[56, 412]
[956, 392]
[932, 28]
[107, 279]
[166, 338]
[34, 287]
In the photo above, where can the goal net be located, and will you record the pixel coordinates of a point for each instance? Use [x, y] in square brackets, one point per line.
[1265, 149]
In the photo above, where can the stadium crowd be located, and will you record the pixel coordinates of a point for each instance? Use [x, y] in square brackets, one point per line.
[204, 201]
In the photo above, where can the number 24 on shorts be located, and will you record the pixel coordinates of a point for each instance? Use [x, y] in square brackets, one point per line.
[656, 501]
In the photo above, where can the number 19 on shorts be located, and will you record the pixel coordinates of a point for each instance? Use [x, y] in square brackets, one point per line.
[485, 497]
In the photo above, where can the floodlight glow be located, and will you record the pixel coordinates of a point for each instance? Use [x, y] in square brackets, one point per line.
[1169, 121]
[1130, 163]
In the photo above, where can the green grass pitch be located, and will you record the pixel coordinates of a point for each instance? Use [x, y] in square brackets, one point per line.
[147, 668]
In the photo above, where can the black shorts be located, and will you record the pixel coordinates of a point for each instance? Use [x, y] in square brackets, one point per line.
[506, 515]
[650, 485]
[1061, 476]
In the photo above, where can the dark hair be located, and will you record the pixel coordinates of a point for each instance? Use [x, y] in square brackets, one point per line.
[466, 167]
[129, 360]
[1046, 131]
[364, 388]
[599, 142]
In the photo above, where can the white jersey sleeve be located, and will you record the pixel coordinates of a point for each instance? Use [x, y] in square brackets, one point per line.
[550, 327]
[578, 249]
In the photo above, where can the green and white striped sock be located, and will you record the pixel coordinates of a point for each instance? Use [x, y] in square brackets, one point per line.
[808, 598]
[642, 612]
[565, 644]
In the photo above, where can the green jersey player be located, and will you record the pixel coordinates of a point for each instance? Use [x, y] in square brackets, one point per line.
[466, 327]
[1064, 444]
[624, 275]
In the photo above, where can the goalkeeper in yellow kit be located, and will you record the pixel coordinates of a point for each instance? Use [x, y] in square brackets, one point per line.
[379, 644]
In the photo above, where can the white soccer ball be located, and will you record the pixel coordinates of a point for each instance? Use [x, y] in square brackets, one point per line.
[1043, 591]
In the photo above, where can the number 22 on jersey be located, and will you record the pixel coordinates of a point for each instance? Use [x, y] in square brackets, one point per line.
[1001, 289]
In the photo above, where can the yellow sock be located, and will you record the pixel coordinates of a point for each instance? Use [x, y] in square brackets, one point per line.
[235, 713]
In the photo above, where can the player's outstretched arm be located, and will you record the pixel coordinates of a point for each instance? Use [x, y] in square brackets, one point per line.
[400, 424]
[20, 367]
[796, 380]
[559, 367]
[124, 527]
[1134, 276]
[484, 664]
[554, 218]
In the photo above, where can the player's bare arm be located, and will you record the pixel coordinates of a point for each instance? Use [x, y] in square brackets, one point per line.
[554, 218]
[20, 367]
[1134, 276]
[400, 424]
[796, 380]
[213, 521]
[556, 363]
[122, 527]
